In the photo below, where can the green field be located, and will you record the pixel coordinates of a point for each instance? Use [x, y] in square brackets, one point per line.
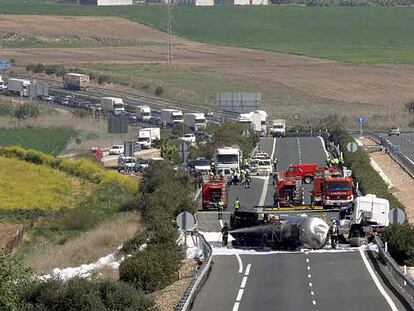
[27, 186]
[372, 34]
[48, 140]
[189, 86]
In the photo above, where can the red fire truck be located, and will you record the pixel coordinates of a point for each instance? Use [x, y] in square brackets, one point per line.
[212, 191]
[330, 188]
[333, 191]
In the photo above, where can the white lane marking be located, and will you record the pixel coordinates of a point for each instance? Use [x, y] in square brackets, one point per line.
[310, 284]
[309, 276]
[241, 289]
[244, 281]
[307, 260]
[266, 181]
[240, 294]
[308, 268]
[240, 263]
[246, 273]
[377, 282]
[221, 223]
[299, 151]
[314, 302]
[312, 293]
[324, 147]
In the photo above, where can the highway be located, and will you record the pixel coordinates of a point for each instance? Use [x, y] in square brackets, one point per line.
[299, 280]
[406, 142]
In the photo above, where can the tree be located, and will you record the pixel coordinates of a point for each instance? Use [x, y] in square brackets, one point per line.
[14, 279]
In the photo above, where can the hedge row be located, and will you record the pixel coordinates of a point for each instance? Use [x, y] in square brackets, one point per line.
[163, 194]
[60, 71]
[81, 168]
[359, 162]
[21, 290]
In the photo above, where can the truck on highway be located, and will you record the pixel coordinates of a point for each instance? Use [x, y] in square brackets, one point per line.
[18, 86]
[333, 191]
[143, 113]
[75, 81]
[113, 104]
[2, 85]
[370, 214]
[212, 192]
[196, 121]
[147, 136]
[171, 117]
[278, 128]
[228, 157]
[263, 120]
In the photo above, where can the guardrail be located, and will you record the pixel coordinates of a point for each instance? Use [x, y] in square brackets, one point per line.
[406, 163]
[396, 272]
[199, 278]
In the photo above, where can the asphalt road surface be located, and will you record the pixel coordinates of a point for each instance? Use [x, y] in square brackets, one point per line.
[300, 280]
[406, 142]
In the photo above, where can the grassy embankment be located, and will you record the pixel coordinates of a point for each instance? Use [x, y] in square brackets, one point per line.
[371, 35]
[78, 202]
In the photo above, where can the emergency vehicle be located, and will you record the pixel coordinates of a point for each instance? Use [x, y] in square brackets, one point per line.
[212, 191]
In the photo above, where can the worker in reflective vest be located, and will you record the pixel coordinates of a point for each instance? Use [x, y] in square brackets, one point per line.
[236, 204]
[220, 209]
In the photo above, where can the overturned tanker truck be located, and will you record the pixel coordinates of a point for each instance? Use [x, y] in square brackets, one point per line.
[258, 229]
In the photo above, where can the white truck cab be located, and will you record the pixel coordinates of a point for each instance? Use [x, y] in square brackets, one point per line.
[371, 210]
[278, 127]
[228, 157]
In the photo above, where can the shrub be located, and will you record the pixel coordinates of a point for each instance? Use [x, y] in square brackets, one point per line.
[132, 245]
[79, 219]
[27, 111]
[359, 163]
[14, 278]
[159, 90]
[81, 294]
[153, 268]
[38, 68]
[400, 240]
[104, 79]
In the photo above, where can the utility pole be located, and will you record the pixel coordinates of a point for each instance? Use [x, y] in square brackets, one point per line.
[169, 30]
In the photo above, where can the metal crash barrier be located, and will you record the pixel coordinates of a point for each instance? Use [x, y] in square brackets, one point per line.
[199, 278]
[396, 272]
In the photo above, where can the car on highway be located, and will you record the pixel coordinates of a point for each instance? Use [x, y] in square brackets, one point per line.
[116, 150]
[201, 165]
[48, 98]
[141, 165]
[126, 163]
[189, 138]
[394, 131]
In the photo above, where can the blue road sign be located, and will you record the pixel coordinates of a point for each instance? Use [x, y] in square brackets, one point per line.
[5, 64]
[360, 120]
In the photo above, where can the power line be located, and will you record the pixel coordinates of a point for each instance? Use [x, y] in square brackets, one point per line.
[169, 30]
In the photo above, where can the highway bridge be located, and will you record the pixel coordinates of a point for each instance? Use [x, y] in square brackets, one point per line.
[299, 280]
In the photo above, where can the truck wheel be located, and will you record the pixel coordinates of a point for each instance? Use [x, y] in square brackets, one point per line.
[307, 179]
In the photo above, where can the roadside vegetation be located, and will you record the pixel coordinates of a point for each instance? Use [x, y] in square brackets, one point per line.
[22, 291]
[28, 186]
[228, 134]
[367, 34]
[400, 238]
[156, 265]
[51, 140]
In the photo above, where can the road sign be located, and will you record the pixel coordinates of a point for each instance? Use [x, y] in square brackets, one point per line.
[396, 216]
[183, 151]
[352, 146]
[360, 120]
[396, 149]
[5, 64]
[185, 221]
[129, 148]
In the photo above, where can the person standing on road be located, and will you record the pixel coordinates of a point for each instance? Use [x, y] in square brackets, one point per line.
[220, 209]
[334, 234]
[225, 232]
[236, 205]
[275, 164]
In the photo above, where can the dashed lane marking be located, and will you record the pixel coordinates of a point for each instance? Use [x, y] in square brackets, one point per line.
[241, 289]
